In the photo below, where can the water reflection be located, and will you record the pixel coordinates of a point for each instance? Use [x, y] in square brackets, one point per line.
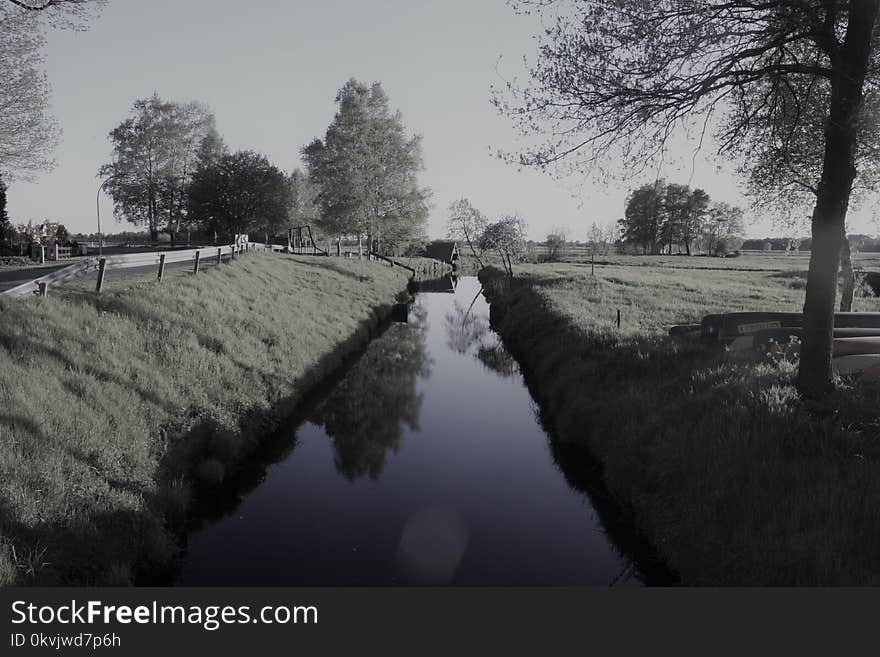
[423, 465]
[468, 331]
[367, 411]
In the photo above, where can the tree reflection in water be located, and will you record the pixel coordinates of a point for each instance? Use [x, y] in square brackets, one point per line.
[469, 332]
[366, 412]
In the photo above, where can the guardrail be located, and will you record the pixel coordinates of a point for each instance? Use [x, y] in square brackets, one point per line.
[159, 260]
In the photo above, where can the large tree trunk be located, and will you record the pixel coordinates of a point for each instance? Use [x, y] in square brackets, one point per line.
[849, 280]
[829, 215]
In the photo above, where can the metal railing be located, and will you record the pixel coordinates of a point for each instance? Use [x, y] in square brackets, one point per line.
[159, 260]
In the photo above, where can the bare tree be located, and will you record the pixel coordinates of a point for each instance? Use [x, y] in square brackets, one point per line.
[59, 13]
[617, 79]
[467, 223]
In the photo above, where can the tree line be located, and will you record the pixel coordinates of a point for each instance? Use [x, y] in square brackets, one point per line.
[664, 217]
[171, 169]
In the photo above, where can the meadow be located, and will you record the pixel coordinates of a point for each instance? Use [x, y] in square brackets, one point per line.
[120, 408]
[714, 460]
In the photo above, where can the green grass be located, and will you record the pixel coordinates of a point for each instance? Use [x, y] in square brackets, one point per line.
[715, 461]
[117, 406]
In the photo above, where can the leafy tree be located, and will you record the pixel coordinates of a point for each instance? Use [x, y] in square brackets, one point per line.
[155, 153]
[62, 235]
[366, 169]
[617, 79]
[643, 217]
[466, 223]
[507, 238]
[28, 134]
[557, 242]
[240, 193]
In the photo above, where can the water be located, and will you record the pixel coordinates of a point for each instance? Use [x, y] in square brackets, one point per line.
[425, 464]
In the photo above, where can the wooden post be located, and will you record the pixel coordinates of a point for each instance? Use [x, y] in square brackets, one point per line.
[102, 265]
[219, 256]
[234, 246]
[196, 266]
[161, 267]
[618, 318]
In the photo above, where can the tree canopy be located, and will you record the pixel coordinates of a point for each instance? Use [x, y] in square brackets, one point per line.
[28, 133]
[242, 192]
[155, 153]
[366, 169]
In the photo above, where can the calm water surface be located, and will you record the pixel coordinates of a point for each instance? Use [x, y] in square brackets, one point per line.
[425, 464]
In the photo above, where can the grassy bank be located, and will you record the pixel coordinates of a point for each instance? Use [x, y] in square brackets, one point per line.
[715, 462]
[117, 406]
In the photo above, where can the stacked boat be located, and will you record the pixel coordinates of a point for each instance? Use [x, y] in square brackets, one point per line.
[856, 341]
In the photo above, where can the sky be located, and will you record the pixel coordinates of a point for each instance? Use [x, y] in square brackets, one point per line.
[270, 70]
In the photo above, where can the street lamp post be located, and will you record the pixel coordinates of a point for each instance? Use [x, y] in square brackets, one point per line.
[98, 207]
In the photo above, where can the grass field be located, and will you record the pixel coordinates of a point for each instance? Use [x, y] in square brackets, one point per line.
[116, 406]
[715, 461]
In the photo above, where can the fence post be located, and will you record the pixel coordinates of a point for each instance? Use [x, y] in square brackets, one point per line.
[618, 318]
[233, 250]
[161, 267]
[102, 266]
[219, 256]
[196, 266]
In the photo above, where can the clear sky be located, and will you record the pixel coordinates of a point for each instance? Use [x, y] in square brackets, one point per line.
[270, 70]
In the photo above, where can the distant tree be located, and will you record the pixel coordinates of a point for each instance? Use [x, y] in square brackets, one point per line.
[724, 229]
[643, 217]
[690, 216]
[366, 169]
[61, 234]
[507, 238]
[4, 215]
[155, 153]
[240, 193]
[557, 243]
[466, 223]
[600, 238]
[7, 231]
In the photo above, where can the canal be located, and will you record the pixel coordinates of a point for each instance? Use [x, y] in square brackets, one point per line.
[425, 463]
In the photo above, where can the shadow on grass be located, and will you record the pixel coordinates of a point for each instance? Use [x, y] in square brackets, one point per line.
[204, 468]
[717, 466]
